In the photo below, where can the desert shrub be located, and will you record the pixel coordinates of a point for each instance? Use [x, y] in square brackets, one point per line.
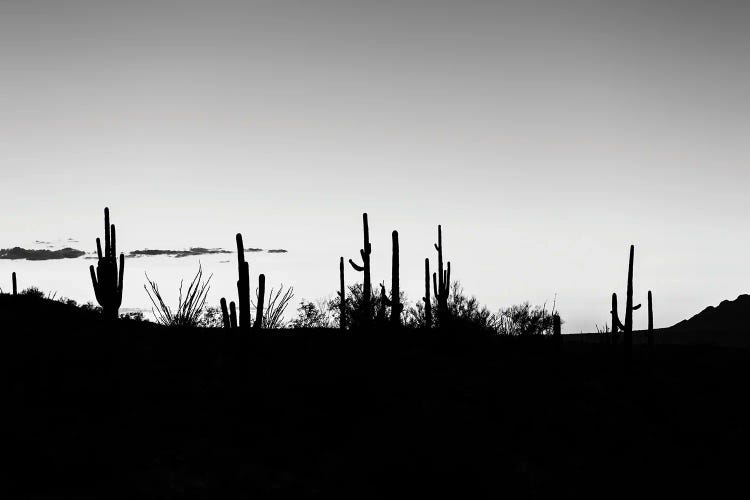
[211, 318]
[313, 315]
[33, 292]
[133, 316]
[465, 311]
[523, 319]
[189, 308]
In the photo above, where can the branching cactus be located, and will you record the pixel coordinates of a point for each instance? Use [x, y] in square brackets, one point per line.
[627, 328]
[441, 282]
[426, 298]
[342, 296]
[365, 268]
[396, 306]
[106, 280]
[259, 306]
[15, 285]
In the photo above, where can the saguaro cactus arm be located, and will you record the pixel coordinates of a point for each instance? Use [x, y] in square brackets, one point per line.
[224, 313]
[243, 285]
[259, 307]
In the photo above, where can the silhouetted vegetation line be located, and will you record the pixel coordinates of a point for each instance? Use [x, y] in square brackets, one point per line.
[107, 286]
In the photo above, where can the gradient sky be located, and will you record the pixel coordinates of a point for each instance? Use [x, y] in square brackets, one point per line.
[545, 136]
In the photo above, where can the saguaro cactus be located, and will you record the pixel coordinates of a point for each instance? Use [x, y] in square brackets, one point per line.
[627, 328]
[557, 330]
[232, 315]
[259, 306]
[342, 296]
[426, 298]
[365, 268]
[107, 286]
[243, 285]
[395, 303]
[650, 322]
[441, 283]
[15, 285]
[616, 324]
[224, 313]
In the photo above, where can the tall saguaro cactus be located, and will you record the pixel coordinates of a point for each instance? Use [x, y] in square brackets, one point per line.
[650, 322]
[342, 296]
[15, 285]
[224, 313]
[395, 303]
[441, 283]
[426, 298]
[106, 280]
[627, 328]
[365, 268]
[243, 285]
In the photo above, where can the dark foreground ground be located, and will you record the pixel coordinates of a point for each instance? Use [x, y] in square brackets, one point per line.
[138, 412]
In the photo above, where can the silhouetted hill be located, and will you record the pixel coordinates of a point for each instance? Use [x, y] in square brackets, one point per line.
[729, 315]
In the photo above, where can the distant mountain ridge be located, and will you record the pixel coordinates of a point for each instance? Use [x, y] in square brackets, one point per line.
[728, 315]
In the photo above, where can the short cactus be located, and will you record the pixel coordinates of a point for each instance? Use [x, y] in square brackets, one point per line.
[259, 306]
[107, 286]
[224, 313]
[365, 268]
[15, 285]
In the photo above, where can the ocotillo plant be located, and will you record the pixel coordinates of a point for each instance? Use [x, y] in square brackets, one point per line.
[395, 303]
[426, 298]
[627, 328]
[442, 283]
[107, 286]
[365, 267]
[259, 306]
[243, 285]
[342, 296]
[15, 285]
[650, 322]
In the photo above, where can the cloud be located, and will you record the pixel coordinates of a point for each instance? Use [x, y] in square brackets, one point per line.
[253, 249]
[178, 253]
[18, 253]
[277, 250]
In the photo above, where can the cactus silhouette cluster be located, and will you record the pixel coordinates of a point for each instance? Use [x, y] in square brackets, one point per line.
[627, 327]
[229, 316]
[106, 280]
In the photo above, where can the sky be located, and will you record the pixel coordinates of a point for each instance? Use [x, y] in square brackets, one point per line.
[545, 136]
